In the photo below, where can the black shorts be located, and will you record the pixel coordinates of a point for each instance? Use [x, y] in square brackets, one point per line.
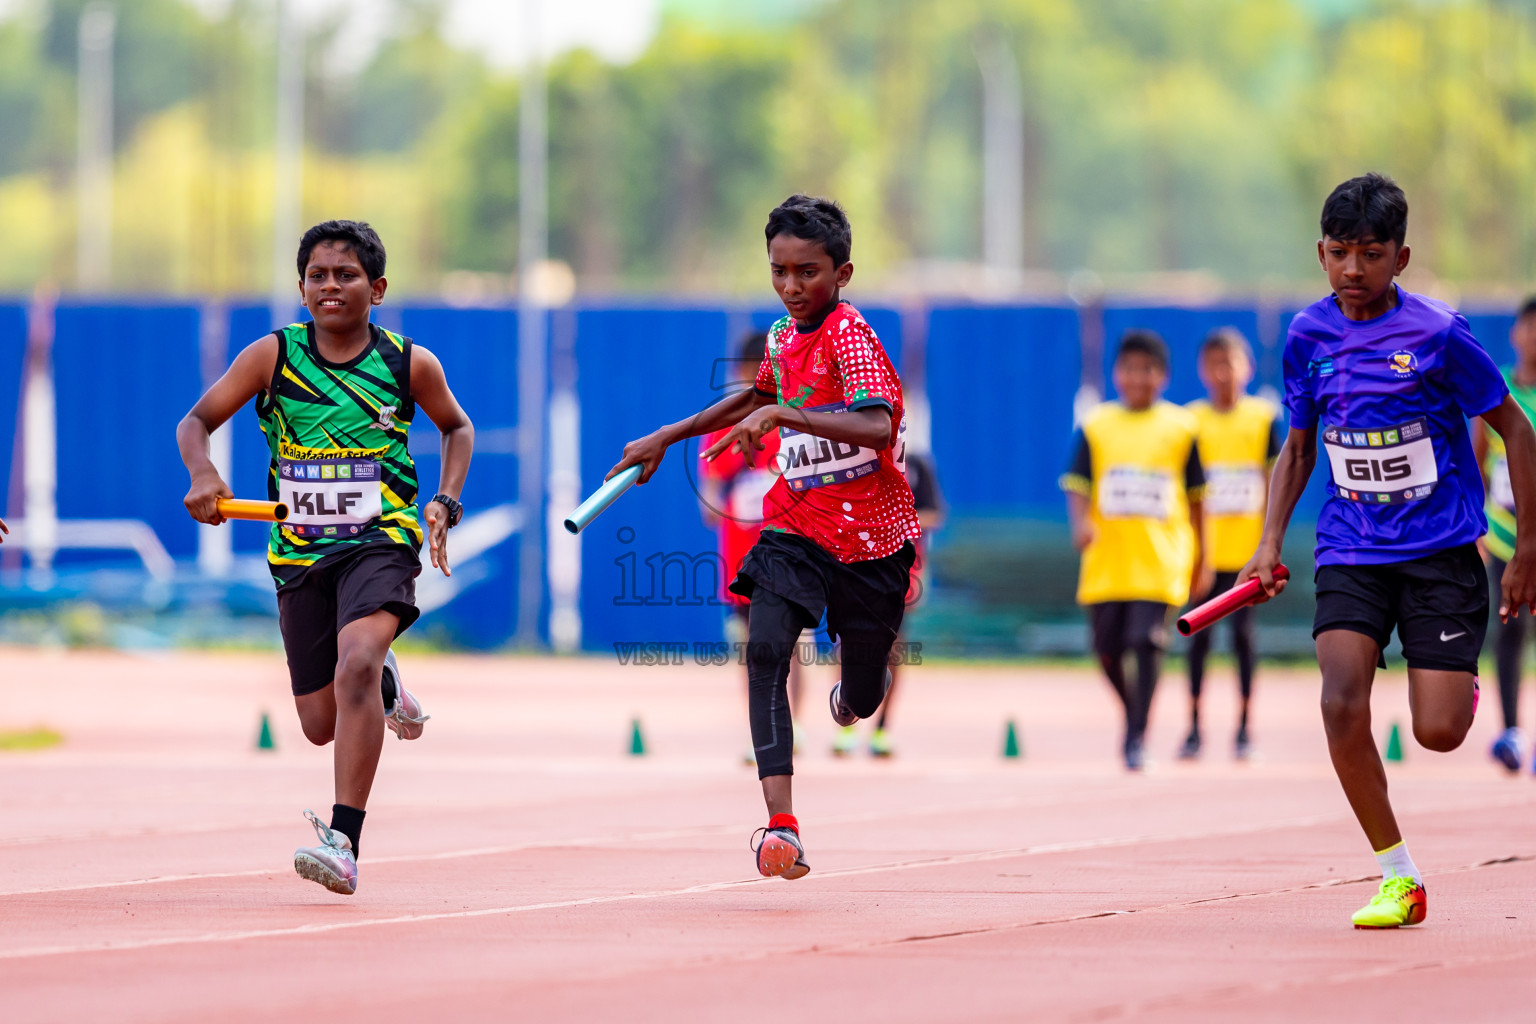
[1119, 626]
[1438, 603]
[334, 592]
[865, 600]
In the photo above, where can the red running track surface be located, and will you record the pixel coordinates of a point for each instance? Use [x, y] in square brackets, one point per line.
[518, 865]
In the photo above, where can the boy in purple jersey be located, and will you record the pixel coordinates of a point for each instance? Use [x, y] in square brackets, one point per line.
[1388, 379]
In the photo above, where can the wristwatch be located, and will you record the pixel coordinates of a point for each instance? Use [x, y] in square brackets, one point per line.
[455, 510]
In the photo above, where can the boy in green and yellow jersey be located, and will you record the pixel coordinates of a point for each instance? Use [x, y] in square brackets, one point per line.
[336, 396]
[1239, 437]
[1134, 492]
[1499, 541]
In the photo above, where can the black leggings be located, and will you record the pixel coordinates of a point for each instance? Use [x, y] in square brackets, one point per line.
[1242, 649]
[1137, 701]
[774, 625]
[1508, 645]
[1136, 628]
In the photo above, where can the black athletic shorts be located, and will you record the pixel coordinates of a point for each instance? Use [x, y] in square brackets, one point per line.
[1119, 626]
[1438, 603]
[861, 599]
[334, 592]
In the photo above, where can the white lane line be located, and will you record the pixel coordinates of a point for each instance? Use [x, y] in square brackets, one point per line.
[659, 894]
[609, 840]
[590, 842]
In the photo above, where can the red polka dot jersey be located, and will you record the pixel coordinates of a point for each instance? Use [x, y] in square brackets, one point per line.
[852, 501]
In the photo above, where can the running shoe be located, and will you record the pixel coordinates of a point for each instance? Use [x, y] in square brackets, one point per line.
[1135, 755]
[841, 713]
[1509, 749]
[846, 741]
[404, 716]
[1242, 747]
[1400, 901]
[796, 736]
[779, 852]
[880, 744]
[331, 863]
[1191, 748]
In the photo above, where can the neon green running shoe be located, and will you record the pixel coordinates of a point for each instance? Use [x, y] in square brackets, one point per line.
[847, 741]
[1399, 902]
[880, 744]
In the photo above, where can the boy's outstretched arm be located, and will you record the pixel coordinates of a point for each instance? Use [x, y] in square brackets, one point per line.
[1519, 586]
[430, 392]
[869, 427]
[647, 451]
[1293, 468]
[248, 376]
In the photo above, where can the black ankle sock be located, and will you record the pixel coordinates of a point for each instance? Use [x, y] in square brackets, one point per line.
[349, 822]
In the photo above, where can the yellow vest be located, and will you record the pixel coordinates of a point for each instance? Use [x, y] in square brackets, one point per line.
[1143, 547]
[1234, 452]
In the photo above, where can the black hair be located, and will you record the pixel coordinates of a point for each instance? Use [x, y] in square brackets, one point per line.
[815, 220]
[1526, 308]
[752, 347]
[1370, 208]
[1148, 343]
[363, 240]
[1229, 340]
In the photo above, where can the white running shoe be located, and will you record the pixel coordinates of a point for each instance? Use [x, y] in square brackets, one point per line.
[404, 718]
[331, 863]
[842, 714]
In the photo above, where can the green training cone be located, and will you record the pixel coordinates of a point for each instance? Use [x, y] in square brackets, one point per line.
[1011, 741]
[1394, 744]
[264, 738]
[636, 739]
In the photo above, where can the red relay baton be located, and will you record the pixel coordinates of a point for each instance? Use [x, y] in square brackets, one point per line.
[1219, 607]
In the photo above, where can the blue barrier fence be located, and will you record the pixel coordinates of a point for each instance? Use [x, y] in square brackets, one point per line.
[121, 376]
[999, 381]
[13, 354]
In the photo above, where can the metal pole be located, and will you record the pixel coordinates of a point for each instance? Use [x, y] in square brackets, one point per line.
[1002, 227]
[289, 167]
[533, 241]
[39, 435]
[563, 556]
[215, 544]
[93, 148]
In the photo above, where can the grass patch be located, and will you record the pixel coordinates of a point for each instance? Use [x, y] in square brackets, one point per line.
[29, 739]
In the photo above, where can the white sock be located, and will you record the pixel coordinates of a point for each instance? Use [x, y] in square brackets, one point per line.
[1395, 863]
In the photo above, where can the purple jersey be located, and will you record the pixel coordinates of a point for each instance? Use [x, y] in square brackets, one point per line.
[1390, 399]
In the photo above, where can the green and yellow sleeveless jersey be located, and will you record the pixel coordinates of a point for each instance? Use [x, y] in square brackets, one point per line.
[1499, 500]
[337, 433]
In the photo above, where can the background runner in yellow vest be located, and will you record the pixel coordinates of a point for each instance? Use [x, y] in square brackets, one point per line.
[1238, 437]
[1134, 491]
[336, 396]
[1499, 541]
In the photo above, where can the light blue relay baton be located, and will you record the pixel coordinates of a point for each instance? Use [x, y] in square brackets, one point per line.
[601, 498]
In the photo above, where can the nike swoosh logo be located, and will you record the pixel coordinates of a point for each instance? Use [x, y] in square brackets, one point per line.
[1453, 636]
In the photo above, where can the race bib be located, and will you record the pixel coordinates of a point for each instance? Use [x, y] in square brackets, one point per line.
[1234, 490]
[330, 497]
[1128, 492]
[1382, 467]
[808, 461]
[1499, 488]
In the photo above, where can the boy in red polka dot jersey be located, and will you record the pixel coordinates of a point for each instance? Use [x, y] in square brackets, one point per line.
[839, 524]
